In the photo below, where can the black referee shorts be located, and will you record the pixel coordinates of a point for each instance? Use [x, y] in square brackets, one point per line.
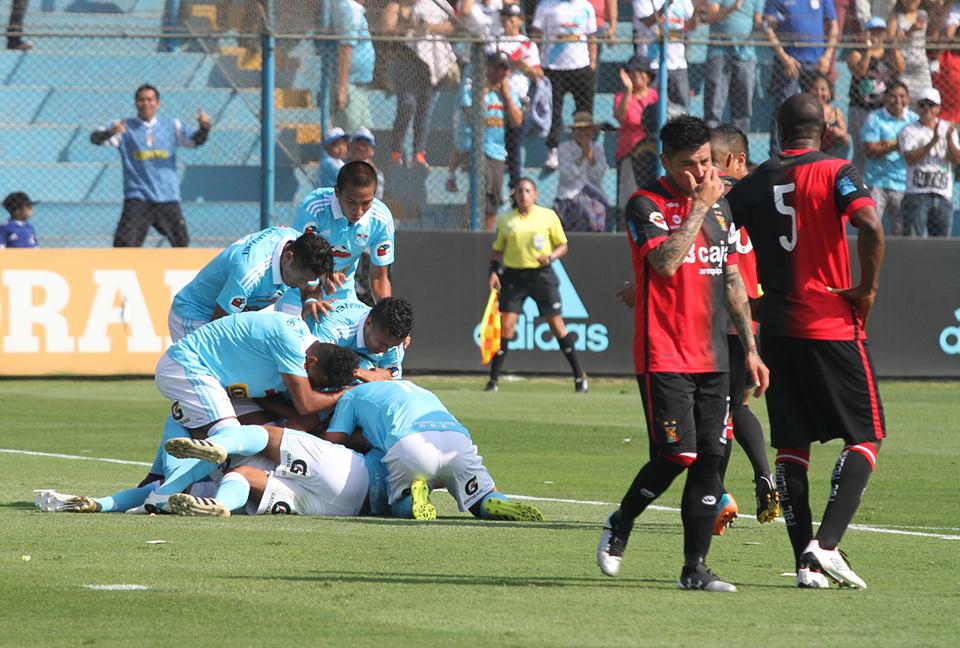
[686, 413]
[539, 283]
[821, 390]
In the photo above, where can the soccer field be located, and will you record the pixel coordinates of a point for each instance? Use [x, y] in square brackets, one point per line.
[276, 580]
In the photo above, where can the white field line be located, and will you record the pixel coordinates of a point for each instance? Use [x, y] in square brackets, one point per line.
[900, 530]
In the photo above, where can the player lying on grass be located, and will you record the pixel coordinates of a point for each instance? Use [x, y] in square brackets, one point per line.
[295, 473]
[421, 442]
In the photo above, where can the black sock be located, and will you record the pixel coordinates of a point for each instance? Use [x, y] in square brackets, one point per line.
[497, 363]
[749, 434]
[725, 461]
[849, 480]
[795, 503]
[570, 353]
[653, 479]
[699, 507]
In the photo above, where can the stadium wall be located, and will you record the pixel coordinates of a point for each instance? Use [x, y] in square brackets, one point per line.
[73, 312]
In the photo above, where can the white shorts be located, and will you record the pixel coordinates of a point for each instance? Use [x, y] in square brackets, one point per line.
[197, 399]
[451, 456]
[315, 477]
[180, 327]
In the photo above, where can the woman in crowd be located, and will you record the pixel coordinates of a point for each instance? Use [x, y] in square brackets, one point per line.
[530, 238]
[836, 139]
[628, 107]
[907, 27]
[581, 203]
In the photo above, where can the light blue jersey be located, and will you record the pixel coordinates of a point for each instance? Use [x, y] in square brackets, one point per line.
[320, 211]
[246, 352]
[344, 327]
[389, 410]
[349, 19]
[889, 171]
[244, 277]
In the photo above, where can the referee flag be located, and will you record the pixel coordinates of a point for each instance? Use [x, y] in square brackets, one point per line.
[490, 329]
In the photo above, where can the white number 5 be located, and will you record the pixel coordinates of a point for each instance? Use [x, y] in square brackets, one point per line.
[778, 193]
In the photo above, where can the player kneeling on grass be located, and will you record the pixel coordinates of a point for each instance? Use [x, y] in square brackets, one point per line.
[294, 472]
[421, 442]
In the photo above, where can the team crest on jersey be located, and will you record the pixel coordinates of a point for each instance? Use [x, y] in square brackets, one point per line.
[340, 252]
[670, 429]
[238, 303]
[362, 238]
[383, 249]
[657, 219]
[238, 391]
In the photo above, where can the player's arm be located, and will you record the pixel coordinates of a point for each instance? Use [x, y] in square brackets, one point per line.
[278, 406]
[380, 282]
[305, 399]
[372, 375]
[667, 257]
[738, 308]
[218, 312]
[870, 252]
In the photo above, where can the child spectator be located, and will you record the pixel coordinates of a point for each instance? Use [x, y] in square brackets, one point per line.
[17, 232]
[334, 156]
[363, 146]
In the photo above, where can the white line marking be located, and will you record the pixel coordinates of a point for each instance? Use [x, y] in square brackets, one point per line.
[900, 530]
[118, 588]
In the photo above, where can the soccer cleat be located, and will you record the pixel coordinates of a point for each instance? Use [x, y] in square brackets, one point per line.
[832, 563]
[491, 386]
[613, 544]
[553, 159]
[768, 500]
[501, 509]
[423, 509]
[188, 505]
[580, 384]
[699, 577]
[420, 159]
[727, 511]
[184, 448]
[50, 501]
[808, 578]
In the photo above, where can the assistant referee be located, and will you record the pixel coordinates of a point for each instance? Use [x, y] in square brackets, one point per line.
[529, 238]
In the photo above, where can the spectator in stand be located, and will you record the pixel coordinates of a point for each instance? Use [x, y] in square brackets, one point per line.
[628, 107]
[148, 149]
[581, 203]
[731, 65]
[17, 232]
[930, 148]
[836, 139]
[18, 10]
[648, 20]
[947, 78]
[363, 146]
[871, 69]
[885, 172]
[568, 29]
[480, 17]
[355, 60]
[336, 144]
[607, 12]
[417, 68]
[525, 61]
[795, 22]
[907, 28]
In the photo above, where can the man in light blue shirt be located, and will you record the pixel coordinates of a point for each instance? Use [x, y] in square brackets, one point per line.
[731, 66]
[422, 441]
[354, 222]
[355, 60]
[885, 171]
[250, 275]
[377, 335]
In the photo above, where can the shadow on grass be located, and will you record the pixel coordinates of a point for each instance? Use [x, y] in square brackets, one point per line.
[17, 505]
[593, 525]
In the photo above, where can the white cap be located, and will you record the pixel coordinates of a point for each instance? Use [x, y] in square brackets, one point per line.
[333, 135]
[929, 94]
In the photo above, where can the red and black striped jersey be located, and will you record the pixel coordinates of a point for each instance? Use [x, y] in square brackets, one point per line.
[680, 322]
[796, 207]
[746, 259]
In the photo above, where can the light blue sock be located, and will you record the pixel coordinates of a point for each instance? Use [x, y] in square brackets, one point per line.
[243, 440]
[161, 460]
[125, 499]
[188, 472]
[403, 508]
[492, 495]
[233, 492]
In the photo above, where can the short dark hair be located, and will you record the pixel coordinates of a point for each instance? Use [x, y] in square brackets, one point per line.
[513, 189]
[800, 117]
[357, 174]
[313, 252]
[393, 315]
[731, 137]
[146, 86]
[684, 133]
[894, 84]
[337, 363]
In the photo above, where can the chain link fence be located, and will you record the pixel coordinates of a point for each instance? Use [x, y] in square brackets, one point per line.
[410, 73]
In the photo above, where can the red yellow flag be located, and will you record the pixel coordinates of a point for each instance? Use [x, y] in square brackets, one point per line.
[490, 329]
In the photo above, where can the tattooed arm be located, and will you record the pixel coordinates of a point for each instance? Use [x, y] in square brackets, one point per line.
[738, 307]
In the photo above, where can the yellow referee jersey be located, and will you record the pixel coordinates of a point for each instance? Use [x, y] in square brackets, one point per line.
[524, 238]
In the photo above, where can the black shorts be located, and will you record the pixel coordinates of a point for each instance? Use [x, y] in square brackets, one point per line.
[740, 381]
[139, 216]
[821, 390]
[539, 283]
[686, 413]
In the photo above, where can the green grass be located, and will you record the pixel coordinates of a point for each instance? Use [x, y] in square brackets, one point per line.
[321, 581]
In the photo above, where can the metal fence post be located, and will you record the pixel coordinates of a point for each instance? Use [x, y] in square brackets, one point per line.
[267, 144]
[662, 87]
[478, 78]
